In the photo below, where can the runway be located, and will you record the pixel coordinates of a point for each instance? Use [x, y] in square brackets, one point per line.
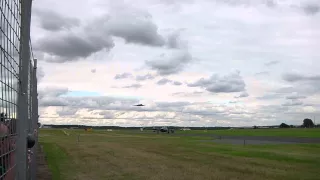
[232, 139]
[256, 139]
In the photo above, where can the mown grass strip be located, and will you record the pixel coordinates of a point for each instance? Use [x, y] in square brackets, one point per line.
[56, 159]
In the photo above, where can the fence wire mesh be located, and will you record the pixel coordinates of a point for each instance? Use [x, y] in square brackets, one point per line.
[18, 96]
[9, 60]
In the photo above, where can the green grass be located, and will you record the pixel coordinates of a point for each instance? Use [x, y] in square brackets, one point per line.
[292, 132]
[133, 155]
[56, 158]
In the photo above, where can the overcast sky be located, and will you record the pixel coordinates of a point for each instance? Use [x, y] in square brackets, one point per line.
[191, 62]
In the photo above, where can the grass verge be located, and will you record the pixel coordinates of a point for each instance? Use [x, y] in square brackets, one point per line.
[120, 156]
[56, 159]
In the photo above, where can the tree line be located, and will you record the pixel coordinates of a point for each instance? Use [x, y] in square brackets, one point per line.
[307, 123]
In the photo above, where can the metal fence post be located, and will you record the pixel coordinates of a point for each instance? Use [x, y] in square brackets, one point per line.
[33, 168]
[30, 95]
[22, 113]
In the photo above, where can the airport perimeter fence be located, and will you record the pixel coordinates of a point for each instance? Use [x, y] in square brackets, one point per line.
[18, 96]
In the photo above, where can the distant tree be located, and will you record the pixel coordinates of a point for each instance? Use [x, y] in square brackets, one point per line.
[284, 125]
[308, 123]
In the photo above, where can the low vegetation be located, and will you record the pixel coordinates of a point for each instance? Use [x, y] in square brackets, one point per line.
[121, 155]
[292, 132]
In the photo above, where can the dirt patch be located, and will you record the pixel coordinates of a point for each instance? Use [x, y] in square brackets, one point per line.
[43, 171]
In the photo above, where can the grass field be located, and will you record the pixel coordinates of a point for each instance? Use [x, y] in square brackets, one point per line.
[299, 132]
[128, 155]
[292, 132]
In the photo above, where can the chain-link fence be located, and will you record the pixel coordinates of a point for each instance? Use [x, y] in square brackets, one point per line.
[18, 96]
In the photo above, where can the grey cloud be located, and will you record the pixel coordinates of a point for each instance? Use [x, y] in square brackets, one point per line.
[174, 41]
[179, 94]
[131, 24]
[296, 77]
[177, 83]
[49, 101]
[107, 115]
[40, 73]
[262, 73]
[293, 103]
[289, 93]
[171, 2]
[51, 96]
[97, 36]
[173, 104]
[315, 105]
[136, 86]
[272, 109]
[270, 63]
[242, 95]
[96, 103]
[175, 111]
[138, 32]
[71, 46]
[52, 21]
[284, 90]
[93, 70]
[311, 9]
[271, 96]
[166, 65]
[144, 77]
[136, 26]
[176, 62]
[52, 91]
[163, 81]
[54, 98]
[225, 84]
[67, 111]
[295, 96]
[123, 76]
[268, 3]
[214, 111]
[307, 88]
[185, 94]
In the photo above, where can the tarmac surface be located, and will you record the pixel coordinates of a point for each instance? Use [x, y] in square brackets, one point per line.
[248, 142]
[255, 139]
[270, 139]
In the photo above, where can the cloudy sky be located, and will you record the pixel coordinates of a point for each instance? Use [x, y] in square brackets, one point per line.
[191, 62]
